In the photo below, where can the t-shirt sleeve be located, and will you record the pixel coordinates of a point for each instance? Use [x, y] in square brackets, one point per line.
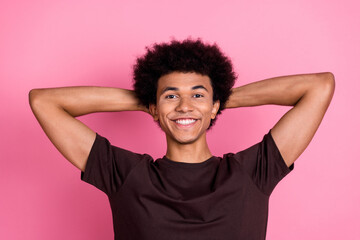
[108, 166]
[264, 164]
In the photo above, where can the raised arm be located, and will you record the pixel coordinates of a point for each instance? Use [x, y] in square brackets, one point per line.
[310, 94]
[56, 109]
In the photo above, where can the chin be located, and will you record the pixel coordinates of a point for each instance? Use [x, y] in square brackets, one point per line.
[185, 139]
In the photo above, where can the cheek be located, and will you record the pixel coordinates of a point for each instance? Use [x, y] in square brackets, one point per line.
[163, 109]
[208, 109]
[163, 112]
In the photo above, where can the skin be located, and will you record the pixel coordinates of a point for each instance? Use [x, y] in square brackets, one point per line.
[56, 110]
[309, 94]
[185, 96]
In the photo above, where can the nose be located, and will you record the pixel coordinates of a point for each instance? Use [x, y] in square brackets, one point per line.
[185, 105]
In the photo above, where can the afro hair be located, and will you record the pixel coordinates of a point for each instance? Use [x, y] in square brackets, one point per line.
[183, 56]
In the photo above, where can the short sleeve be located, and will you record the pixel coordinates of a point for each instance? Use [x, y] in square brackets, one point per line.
[108, 166]
[264, 164]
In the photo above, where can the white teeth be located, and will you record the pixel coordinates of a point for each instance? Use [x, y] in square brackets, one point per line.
[185, 121]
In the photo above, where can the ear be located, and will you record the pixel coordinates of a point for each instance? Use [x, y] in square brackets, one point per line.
[215, 109]
[153, 111]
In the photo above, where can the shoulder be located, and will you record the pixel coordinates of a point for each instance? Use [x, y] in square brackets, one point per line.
[103, 148]
[258, 153]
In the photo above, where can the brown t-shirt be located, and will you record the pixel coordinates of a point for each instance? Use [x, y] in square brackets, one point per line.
[222, 198]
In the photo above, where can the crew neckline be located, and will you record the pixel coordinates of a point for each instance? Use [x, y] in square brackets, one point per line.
[169, 162]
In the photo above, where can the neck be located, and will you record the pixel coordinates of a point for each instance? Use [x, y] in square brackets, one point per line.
[194, 152]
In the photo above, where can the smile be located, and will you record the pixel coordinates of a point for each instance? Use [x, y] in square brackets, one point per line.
[185, 122]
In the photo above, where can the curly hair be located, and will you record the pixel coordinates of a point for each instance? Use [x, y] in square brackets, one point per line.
[183, 56]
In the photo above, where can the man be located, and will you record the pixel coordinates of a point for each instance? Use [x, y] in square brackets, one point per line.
[189, 193]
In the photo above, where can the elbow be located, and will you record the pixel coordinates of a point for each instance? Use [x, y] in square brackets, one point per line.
[34, 97]
[330, 80]
[31, 96]
[327, 82]
[325, 86]
[33, 93]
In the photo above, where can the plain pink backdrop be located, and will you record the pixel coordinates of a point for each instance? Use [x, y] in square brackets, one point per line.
[69, 43]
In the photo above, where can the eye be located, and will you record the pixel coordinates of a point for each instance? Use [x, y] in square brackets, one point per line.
[198, 95]
[170, 96]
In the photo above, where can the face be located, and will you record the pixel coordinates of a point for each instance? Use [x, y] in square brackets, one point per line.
[184, 106]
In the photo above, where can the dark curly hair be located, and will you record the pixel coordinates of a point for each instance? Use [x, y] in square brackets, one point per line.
[183, 56]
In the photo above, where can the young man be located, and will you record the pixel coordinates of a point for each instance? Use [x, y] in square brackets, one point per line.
[189, 193]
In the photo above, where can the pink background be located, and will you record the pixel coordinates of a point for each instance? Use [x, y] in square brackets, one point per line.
[70, 43]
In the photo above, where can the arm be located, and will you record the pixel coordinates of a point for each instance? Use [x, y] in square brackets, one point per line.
[56, 109]
[310, 94]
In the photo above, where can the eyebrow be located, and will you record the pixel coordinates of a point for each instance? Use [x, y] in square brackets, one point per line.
[177, 89]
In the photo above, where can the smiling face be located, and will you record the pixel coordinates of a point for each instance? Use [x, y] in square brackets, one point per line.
[184, 106]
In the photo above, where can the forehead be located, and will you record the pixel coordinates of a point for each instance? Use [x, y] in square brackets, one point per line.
[183, 81]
